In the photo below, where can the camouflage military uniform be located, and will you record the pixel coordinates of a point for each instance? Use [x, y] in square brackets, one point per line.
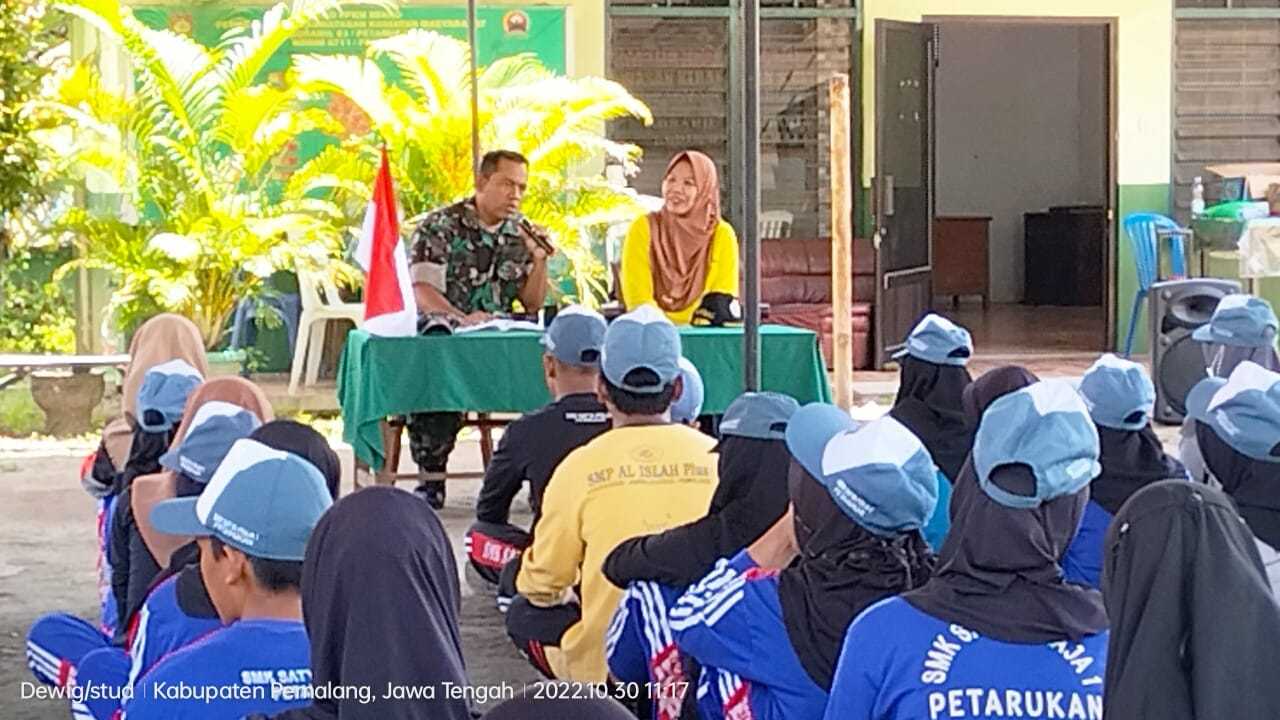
[476, 270]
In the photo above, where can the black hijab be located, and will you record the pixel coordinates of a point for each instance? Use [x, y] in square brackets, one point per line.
[1131, 460]
[305, 442]
[991, 386]
[749, 499]
[1195, 632]
[1254, 485]
[930, 403]
[998, 571]
[380, 598]
[843, 568]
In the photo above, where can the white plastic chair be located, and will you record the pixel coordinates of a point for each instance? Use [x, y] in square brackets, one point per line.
[320, 305]
[776, 224]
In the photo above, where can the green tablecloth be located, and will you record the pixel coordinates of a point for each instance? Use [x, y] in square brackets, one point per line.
[490, 371]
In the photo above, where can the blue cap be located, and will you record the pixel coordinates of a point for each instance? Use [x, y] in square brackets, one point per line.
[163, 395]
[879, 474]
[937, 340]
[761, 416]
[576, 336]
[1244, 410]
[643, 339]
[688, 406]
[1118, 393]
[1242, 320]
[216, 426]
[261, 501]
[1045, 426]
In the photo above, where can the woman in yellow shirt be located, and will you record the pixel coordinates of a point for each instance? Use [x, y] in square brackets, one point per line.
[674, 257]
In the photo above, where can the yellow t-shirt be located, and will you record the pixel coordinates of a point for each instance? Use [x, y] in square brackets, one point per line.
[628, 482]
[637, 274]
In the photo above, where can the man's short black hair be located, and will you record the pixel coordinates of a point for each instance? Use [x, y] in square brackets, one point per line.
[629, 403]
[275, 576]
[489, 163]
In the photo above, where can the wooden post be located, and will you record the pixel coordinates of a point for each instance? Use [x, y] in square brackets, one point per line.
[841, 241]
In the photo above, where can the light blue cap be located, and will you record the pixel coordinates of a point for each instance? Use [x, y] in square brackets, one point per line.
[1045, 426]
[163, 395]
[261, 501]
[1242, 320]
[688, 406]
[761, 416]
[216, 426]
[879, 474]
[643, 339]
[1118, 393]
[576, 336]
[1244, 410]
[937, 340]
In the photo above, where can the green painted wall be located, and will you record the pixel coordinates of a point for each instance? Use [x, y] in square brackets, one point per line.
[1133, 198]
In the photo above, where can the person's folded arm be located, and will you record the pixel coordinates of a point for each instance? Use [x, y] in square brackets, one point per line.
[551, 565]
[678, 557]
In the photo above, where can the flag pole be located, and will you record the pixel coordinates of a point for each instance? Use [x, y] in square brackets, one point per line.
[475, 90]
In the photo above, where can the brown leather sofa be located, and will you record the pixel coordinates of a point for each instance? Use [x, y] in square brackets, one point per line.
[796, 282]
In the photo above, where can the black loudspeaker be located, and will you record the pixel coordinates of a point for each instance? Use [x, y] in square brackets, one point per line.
[1178, 307]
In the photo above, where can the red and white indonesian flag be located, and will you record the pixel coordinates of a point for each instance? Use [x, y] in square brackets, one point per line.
[389, 305]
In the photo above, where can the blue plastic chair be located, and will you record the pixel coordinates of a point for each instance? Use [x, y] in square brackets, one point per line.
[1144, 230]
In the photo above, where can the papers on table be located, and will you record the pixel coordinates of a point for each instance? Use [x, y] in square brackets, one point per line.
[501, 325]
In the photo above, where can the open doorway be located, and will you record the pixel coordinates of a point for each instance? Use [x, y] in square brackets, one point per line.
[1024, 166]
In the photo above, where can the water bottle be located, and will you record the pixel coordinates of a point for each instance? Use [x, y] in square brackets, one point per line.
[1197, 196]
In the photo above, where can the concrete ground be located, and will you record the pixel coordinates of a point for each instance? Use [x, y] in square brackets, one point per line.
[47, 555]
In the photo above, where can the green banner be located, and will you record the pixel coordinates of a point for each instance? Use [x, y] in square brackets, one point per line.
[500, 31]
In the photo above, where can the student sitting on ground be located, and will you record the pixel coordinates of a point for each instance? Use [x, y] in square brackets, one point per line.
[1242, 328]
[178, 610]
[930, 403]
[656, 569]
[252, 523]
[1121, 399]
[643, 476]
[1235, 428]
[161, 339]
[138, 551]
[59, 643]
[1195, 631]
[534, 445]
[381, 600]
[686, 409]
[766, 626]
[996, 632]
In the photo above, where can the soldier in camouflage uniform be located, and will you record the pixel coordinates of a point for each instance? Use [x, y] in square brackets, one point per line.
[470, 261]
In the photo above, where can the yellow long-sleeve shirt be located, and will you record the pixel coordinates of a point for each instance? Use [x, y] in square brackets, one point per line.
[630, 481]
[637, 273]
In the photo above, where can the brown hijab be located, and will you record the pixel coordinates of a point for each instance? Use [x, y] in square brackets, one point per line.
[161, 339]
[149, 490]
[680, 245]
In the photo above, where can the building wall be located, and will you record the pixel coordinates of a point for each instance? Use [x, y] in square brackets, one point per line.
[1143, 65]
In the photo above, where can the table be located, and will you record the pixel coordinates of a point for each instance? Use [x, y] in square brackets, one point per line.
[501, 372]
[960, 257]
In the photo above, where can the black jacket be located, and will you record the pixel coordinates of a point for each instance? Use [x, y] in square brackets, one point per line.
[531, 449]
